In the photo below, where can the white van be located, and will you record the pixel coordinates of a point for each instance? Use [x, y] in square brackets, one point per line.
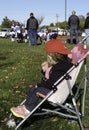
[4, 32]
[60, 31]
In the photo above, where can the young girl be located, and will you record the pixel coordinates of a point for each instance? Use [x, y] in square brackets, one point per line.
[57, 65]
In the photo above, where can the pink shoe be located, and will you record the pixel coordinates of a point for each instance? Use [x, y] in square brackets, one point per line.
[20, 111]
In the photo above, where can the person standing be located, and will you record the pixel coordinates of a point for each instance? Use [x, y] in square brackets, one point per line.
[18, 30]
[32, 26]
[73, 23]
[12, 33]
[86, 27]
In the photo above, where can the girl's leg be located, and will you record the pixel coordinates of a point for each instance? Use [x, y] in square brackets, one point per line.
[32, 98]
[31, 102]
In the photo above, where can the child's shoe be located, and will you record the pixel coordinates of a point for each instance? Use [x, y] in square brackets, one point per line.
[20, 111]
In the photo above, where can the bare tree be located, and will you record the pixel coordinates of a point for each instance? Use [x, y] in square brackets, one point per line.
[40, 20]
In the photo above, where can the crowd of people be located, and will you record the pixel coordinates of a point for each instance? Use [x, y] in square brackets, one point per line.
[30, 32]
[18, 33]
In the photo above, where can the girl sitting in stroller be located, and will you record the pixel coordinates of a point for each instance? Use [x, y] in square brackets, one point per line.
[57, 64]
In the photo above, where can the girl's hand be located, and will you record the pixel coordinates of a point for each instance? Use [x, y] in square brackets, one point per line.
[36, 86]
[44, 66]
[30, 86]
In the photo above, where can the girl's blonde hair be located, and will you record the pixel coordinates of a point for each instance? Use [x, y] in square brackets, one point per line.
[57, 57]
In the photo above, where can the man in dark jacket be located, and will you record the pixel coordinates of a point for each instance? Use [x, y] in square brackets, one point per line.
[73, 23]
[86, 27]
[32, 26]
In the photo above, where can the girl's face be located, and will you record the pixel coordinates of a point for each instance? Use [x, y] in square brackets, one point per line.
[50, 60]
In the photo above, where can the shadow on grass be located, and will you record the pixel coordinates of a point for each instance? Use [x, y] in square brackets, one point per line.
[6, 64]
[2, 57]
[38, 123]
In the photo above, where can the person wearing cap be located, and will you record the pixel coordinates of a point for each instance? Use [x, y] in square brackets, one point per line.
[56, 66]
[32, 26]
[73, 23]
[86, 27]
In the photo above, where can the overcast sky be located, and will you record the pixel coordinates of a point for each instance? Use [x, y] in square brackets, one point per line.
[20, 9]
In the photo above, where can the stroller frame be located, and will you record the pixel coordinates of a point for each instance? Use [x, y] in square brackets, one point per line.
[72, 111]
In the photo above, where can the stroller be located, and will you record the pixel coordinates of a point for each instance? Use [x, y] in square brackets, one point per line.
[62, 98]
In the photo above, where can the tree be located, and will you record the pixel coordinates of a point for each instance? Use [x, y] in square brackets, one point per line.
[40, 20]
[6, 23]
[82, 21]
[62, 25]
[51, 24]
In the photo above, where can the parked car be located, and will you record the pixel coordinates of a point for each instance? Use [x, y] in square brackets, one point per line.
[4, 32]
[83, 34]
[52, 34]
[60, 32]
[42, 34]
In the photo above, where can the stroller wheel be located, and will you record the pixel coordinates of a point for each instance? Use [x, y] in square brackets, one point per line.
[11, 123]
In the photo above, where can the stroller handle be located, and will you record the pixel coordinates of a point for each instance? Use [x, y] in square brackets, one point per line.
[84, 38]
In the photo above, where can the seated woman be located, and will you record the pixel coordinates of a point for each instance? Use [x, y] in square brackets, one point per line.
[57, 64]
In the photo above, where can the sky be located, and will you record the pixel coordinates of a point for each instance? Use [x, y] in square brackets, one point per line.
[51, 10]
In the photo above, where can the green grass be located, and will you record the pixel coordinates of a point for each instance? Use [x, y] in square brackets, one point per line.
[20, 67]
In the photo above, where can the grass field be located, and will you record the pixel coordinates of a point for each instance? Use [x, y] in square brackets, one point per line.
[20, 67]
